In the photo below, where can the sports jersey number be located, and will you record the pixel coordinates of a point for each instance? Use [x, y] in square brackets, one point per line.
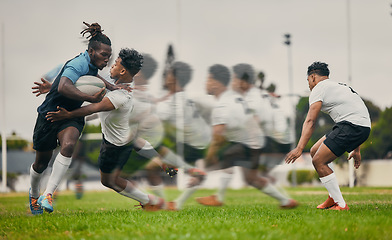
[352, 90]
[247, 110]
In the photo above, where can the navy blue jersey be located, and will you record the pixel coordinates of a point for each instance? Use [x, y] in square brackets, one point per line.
[73, 69]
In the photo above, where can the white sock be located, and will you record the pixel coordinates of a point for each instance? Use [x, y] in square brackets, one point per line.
[158, 190]
[331, 184]
[224, 182]
[172, 159]
[134, 193]
[35, 179]
[272, 191]
[184, 196]
[331, 165]
[60, 167]
[148, 151]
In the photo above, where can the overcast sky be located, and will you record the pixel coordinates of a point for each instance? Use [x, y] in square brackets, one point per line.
[38, 35]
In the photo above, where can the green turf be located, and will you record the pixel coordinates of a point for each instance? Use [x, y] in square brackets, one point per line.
[247, 214]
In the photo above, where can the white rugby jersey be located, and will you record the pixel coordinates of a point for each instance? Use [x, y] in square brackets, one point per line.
[341, 102]
[241, 126]
[181, 112]
[115, 123]
[262, 109]
[144, 121]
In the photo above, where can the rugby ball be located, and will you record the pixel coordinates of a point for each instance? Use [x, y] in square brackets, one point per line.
[89, 84]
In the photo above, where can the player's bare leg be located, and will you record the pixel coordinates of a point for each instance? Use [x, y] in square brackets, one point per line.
[320, 161]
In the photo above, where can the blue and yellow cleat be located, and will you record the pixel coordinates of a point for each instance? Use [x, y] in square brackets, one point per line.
[46, 202]
[34, 207]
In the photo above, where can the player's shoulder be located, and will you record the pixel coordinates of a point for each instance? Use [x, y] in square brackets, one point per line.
[79, 63]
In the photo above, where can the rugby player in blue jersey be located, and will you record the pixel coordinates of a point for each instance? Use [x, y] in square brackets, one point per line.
[47, 135]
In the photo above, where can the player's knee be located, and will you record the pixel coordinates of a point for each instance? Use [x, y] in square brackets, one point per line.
[40, 166]
[67, 148]
[107, 183]
[316, 162]
[313, 151]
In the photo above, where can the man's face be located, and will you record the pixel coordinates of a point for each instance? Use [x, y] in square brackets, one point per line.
[311, 81]
[100, 57]
[116, 69]
[211, 85]
[170, 81]
[236, 84]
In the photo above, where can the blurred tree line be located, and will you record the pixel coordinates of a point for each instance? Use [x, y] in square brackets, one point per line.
[14, 142]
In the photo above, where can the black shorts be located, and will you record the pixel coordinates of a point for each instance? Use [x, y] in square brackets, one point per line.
[345, 137]
[237, 154]
[191, 154]
[113, 157]
[45, 132]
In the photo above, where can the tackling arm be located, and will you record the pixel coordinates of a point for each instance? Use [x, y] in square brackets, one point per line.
[62, 113]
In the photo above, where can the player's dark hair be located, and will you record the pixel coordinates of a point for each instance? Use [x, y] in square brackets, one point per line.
[131, 59]
[182, 72]
[244, 72]
[318, 68]
[149, 66]
[220, 73]
[95, 37]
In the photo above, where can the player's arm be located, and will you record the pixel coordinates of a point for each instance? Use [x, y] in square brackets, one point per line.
[67, 88]
[46, 81]
[307, 131]
[217, 142]
[62, 113]
[113, 87]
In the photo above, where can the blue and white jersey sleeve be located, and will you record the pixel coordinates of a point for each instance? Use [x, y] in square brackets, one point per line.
[52, 74]
[77, 67]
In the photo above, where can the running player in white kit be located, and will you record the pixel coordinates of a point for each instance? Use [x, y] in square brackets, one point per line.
[192, 131]
[237, 138]
[351, 129]
[117, 143]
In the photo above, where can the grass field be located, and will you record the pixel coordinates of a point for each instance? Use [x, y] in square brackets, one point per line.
[247, 214]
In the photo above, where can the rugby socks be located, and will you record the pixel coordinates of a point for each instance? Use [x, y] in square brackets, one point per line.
[158, 190]
[330, 182]
[60, 167]
[224, 182]
[272, 191]
[331, 166]
[148, 151]
[184, 196]
[35, 179]
[134, 193]
[172, 159]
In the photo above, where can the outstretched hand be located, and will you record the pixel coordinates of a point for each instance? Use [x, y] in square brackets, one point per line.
[41, 88]
[356, 155]
[61, 114]
[98, 96]
[293, 155]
